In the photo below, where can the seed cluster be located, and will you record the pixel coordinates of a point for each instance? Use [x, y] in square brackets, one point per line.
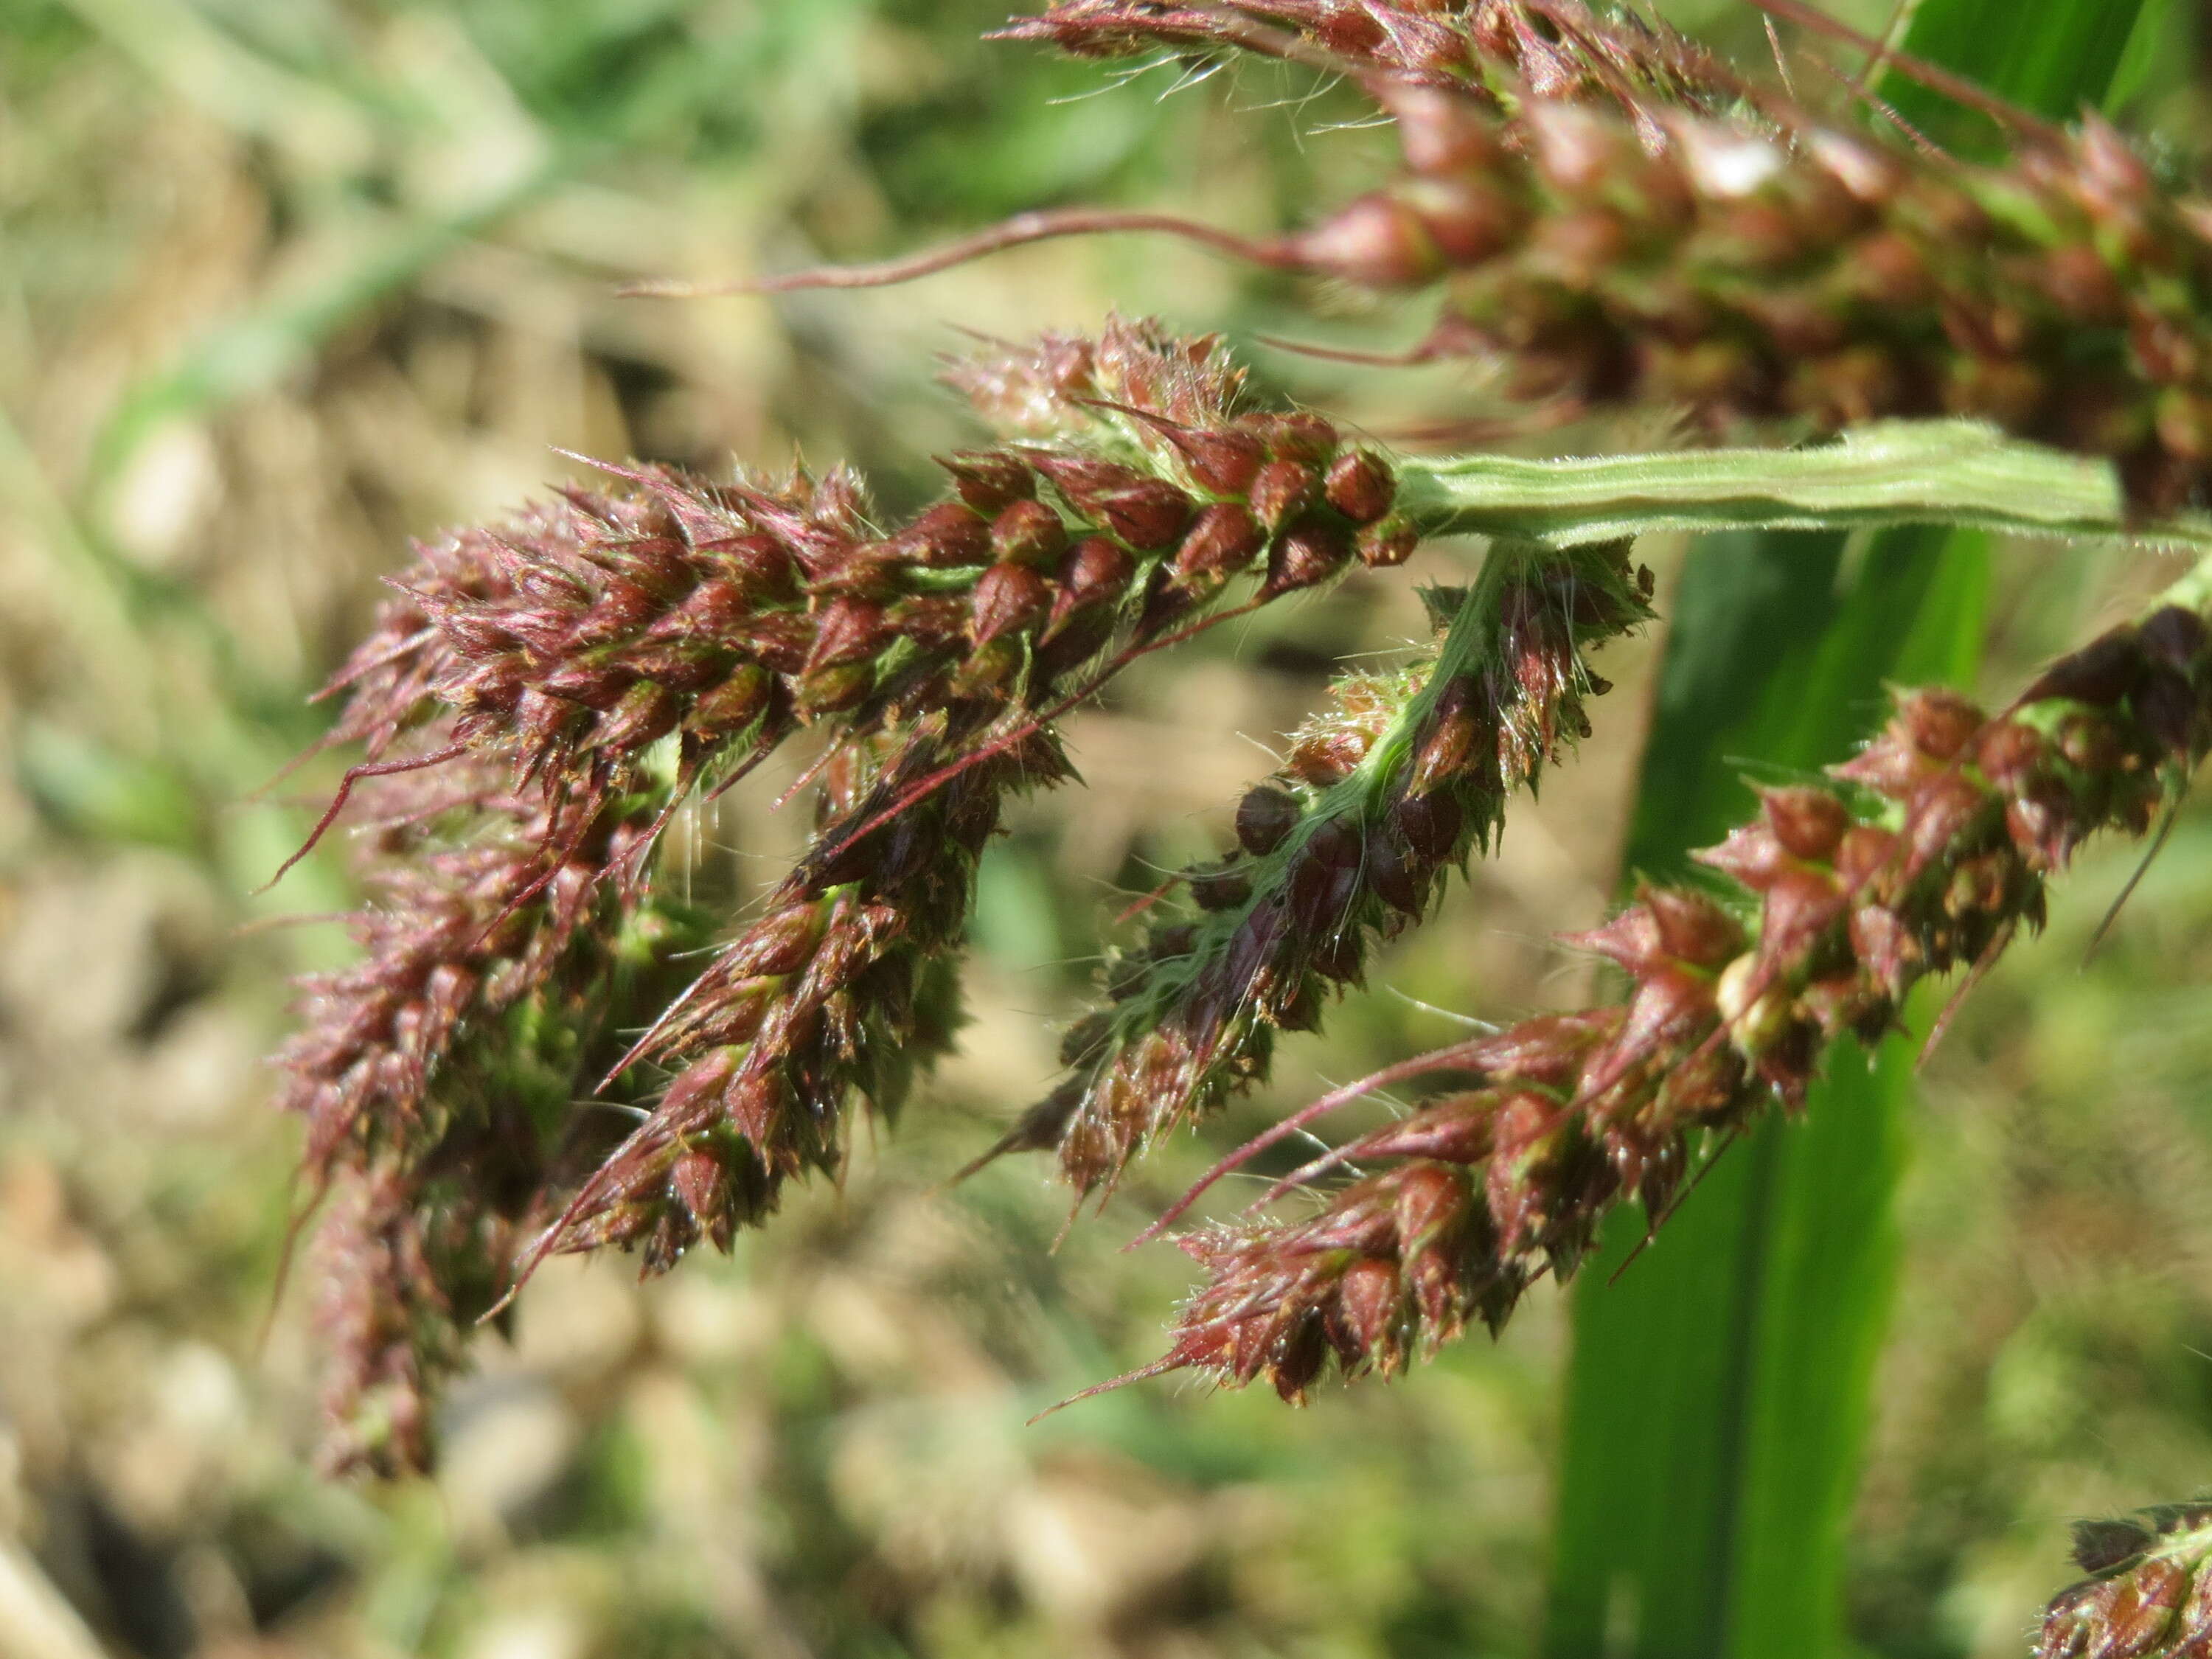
[579, 636]
[1398, 780]
[842, 987]
[1760, 265]
[1930, 855]
[435, 1074]
[541, 694]
[454, 933]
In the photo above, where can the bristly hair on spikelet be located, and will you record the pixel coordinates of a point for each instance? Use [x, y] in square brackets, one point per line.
[436, 1074]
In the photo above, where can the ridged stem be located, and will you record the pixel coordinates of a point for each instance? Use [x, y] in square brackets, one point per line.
[1955, 472]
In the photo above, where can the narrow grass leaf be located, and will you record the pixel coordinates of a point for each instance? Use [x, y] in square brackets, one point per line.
[1718, 1393]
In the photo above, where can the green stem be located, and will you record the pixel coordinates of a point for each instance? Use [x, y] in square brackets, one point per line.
[1952, 472]
[1470, 637]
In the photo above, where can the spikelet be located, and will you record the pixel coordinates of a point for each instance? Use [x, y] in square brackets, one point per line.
[574, 639]
[839, 990]
[2150, 1592]
[435, 1075]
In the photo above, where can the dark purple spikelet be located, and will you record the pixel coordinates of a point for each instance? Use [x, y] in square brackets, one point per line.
[1932, 862]
[575, 638]
[676, 607]
[501, 950]
[456, 929]
[2149, 1595]
[1812, 274]
[1057, 386]
[389, 682]
[1119, 540]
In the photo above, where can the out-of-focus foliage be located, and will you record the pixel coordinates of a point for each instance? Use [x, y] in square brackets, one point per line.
[281, 284]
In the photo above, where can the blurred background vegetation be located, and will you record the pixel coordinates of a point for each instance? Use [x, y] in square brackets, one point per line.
[285, 282]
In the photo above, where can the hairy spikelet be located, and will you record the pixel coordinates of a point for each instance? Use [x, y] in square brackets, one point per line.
[1152, 491]
[1170, 395]
[839, 990]
[1929, 855]
[577, 636]
[460, 928]
[435, 1075]
[1501, 52]
[391, 1329]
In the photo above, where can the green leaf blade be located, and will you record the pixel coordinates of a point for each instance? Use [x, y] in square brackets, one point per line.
[1718, 1393]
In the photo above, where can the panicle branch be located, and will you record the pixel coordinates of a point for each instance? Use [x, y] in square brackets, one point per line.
[721, 618]
[1929, 853]
[843, 987]
[1401, 777]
